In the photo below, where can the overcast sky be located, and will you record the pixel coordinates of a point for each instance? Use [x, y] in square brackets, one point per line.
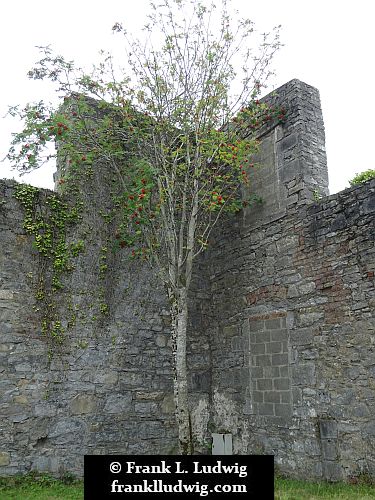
[328, 44]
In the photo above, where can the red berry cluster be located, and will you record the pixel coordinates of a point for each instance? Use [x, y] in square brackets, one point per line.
[58, 129]
[217, 200]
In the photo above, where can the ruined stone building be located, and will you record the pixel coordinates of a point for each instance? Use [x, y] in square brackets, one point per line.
[282, 328]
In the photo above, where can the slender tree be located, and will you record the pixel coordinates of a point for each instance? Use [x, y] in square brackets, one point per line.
[178, 129]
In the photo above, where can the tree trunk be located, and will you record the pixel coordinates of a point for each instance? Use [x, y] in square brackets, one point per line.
[179, 336]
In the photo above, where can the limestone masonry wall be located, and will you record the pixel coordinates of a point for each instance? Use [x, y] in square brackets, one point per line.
[282, 327]
[293, 337]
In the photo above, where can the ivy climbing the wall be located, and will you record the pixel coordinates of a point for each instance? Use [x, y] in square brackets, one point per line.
[47, 218]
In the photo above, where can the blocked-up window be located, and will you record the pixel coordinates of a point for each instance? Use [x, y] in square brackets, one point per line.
[270, 383]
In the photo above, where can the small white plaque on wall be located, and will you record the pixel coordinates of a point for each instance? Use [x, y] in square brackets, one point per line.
[222, 444]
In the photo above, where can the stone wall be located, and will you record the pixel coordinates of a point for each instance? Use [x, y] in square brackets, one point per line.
[281, 326]
[293, 334]
[107, 388]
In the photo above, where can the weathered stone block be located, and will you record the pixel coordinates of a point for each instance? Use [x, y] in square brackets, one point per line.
[283, 410]
[261, 337]
[67, 431]
[82, 404]
[22, 400]
[281, 384]
[274, 347]
[145, 408]
[263, 360]
[230, 331]
[265, 409]
[328, 429]
[339, 223]
[4, 458]
[306, 288]
[284, 371]
[258, 396]
[46, 464]
[279, 359]
[272, 397]
[264, 384]
[287, 143]
[257, 372]
[332, 471]
[118, 403]
[268, 371]
[161, 340]
[303, 374]
[302, 336]
[45, 410]
[107, 378]
[286, 397]
[279, 335]
[272, 324]
[168, 405]
[256, 326]
[310, 318]
[329, 449]
[292, 291]
[201, 381]
[258, 348]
